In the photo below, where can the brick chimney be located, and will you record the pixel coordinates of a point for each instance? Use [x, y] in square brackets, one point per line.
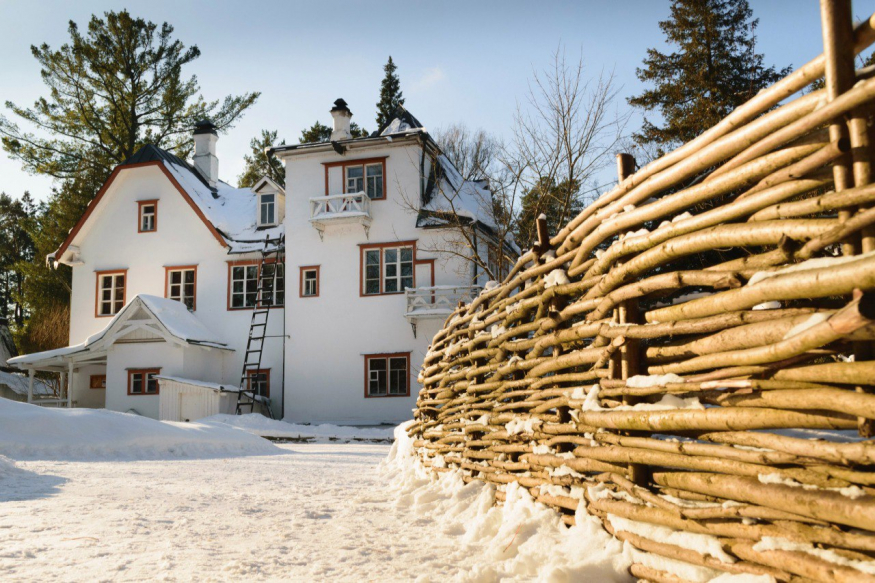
[205, 160]
[341, 114]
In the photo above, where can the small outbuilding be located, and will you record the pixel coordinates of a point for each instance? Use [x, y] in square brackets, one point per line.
[183, 399]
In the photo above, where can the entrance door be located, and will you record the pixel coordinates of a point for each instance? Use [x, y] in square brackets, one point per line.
[190, 407]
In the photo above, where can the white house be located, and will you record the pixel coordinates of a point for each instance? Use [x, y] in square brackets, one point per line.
[167, 257]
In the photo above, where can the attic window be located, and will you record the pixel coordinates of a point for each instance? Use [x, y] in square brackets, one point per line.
[148, 216]
[267, 209]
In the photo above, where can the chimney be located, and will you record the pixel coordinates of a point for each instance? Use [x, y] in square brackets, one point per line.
[341, 114]
[205, 161]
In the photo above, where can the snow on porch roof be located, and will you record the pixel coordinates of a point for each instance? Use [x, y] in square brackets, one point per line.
[172, 316]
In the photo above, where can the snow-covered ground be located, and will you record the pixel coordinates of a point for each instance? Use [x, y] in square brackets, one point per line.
[261, 425]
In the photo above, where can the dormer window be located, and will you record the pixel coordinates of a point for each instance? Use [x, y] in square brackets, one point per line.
[267, 209]
[148, 216]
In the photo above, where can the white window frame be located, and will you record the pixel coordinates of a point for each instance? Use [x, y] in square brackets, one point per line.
[306, 290]
[245, 269]
[150, 217]
[384, 268]
[368, 179]
[358, 182]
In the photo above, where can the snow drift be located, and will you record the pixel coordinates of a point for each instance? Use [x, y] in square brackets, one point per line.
[258, 424]
[32, 432]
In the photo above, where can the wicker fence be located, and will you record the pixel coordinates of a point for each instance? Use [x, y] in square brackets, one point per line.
[693, 352]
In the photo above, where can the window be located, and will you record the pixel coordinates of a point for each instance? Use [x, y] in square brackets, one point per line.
[309, 282]
[267, 209]
[258, 382]
[387, 269]
[110, 292]
[148, 216]
[182, 285]
[386, 375]
[97, 381]
[366, 175]
[243, 286]
[142, 381]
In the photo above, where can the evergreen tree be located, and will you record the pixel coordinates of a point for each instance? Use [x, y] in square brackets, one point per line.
[113, 89]
[319, 132]
[16, 246]
[714, 69]
[391, 97]
[260, 163]
[558, 201]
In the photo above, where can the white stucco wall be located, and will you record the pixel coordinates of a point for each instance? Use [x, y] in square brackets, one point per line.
[330, 334]
[110, 241]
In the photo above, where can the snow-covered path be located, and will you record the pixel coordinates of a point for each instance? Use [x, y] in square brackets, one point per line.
[316, 512]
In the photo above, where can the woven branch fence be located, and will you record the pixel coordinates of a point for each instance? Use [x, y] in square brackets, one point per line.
[694, 351]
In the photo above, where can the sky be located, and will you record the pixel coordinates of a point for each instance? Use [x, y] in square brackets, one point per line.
[458, 61]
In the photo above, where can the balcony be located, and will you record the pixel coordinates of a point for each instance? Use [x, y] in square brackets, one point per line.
[340, 209]
[436, 302]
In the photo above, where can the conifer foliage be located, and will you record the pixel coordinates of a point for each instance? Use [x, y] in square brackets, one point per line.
[391, 97]
[713, 68]
[319, 132]
[259, 163]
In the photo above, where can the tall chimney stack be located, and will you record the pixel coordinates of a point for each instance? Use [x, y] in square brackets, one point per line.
[341, 114]
[205, 160]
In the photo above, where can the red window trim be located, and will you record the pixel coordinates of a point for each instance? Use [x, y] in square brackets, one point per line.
[363, 247]
[146, 372]
[360, 162]
[97, 377]
[301, 271]
[140, 204]
[97, 275]
[168, 269]
[254, 371]
[238, 263]
[387, 356]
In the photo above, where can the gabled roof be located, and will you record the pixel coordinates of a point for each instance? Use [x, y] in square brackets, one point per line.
[229, 213]
[167, 318]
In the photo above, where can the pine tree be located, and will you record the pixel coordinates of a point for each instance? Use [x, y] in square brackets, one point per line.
[391, 97]
[16, 247]
[319, 132]
[113, 89]
[714, 69]
[260, 163]
[558, 201]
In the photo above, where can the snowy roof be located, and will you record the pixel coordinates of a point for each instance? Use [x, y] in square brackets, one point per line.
[230, 213]
[18, 382]
[448, 192]
[401, 122]
[172, 315]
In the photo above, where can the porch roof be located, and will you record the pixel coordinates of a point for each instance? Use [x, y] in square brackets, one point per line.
[166, 318]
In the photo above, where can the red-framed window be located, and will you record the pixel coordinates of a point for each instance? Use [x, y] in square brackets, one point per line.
[147, 216]
[258, 382]
[243, 284]
[387, 268]
[180, 284]
[365, 175]
[387, 375]
[110, 292]
[142, 381]
[309, 282]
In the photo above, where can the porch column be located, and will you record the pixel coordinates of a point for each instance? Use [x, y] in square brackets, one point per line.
[30, 373]
[62, 386]
[71, 375]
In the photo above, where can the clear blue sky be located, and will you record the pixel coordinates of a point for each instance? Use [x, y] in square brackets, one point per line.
[464, 61]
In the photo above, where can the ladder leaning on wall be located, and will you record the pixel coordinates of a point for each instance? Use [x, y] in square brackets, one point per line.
[271, 254]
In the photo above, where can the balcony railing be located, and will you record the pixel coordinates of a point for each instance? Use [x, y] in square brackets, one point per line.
[437, 301]
[340, 209]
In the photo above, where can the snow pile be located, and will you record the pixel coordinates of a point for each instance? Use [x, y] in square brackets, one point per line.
[32, 432]
[521, 539]
[645, 381]
[258, 424]
[7, 467]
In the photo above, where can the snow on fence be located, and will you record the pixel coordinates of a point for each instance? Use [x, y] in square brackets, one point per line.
[692, 359]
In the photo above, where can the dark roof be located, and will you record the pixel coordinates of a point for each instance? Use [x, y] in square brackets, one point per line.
[150, 153]
[402, 114]
[205, 126]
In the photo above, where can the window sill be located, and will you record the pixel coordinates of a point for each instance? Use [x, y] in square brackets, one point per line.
[385, 396]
